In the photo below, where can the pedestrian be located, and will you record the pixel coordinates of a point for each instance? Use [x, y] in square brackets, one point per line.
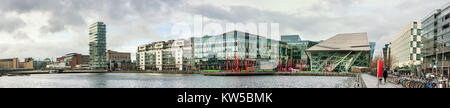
[385, 75]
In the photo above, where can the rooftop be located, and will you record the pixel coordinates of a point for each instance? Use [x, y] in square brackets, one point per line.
[344, 42]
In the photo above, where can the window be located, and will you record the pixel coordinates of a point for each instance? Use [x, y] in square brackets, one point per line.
[411, 44]
[417, 57]
[418, 44]
[411, 57]
[415, 38]
[414, 50]
[445, 26]
[415, 24]
[419, 31]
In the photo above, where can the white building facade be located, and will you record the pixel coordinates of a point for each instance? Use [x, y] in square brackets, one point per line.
[405, 46]
[170, 55]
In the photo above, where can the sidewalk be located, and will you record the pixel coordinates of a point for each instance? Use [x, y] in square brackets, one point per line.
[371, 82]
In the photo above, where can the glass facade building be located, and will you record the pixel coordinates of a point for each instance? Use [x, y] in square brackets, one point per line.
[231, 49]
[435, 38]
[97, 46]
[372, 49]
[296, 50]
[291, 38]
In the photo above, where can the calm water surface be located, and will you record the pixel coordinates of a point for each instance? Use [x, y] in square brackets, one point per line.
[151, 80]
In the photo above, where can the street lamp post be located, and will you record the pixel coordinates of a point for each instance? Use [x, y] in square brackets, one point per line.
[443, 54]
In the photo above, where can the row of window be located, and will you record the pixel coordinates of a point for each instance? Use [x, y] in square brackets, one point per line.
[418, 44]
[412, 57]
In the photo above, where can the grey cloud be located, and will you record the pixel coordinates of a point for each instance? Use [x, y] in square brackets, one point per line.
[69, 15]
[132, 20]
[21, 36]
[10, 24]
[337, 17]
[69, 12]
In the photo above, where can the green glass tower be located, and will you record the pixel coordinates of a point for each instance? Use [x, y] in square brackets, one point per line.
[97, 46]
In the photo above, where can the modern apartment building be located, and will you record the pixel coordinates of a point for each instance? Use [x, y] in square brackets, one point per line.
[170, 55]
[238, 51]
[436, 38]
[97, 46]
[406, 46]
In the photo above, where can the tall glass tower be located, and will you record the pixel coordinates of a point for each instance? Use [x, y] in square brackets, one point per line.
[97, 46]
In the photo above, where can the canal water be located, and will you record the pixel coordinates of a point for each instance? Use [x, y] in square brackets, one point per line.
[152, 80]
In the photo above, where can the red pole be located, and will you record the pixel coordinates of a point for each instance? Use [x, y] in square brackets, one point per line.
[301, 66]
[285, 67]
[239, 65]
[226, 58]
[380, 69]
[331, 66]
[279, 65]
[246, 64]
[326, 66]
[253, 65]
[234, 63]
[289, 66]
[292, 62]
[380, 72]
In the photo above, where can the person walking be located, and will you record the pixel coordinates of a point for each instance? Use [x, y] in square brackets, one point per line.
[385, 75]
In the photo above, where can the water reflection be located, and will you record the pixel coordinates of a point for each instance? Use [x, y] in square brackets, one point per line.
[147, 80]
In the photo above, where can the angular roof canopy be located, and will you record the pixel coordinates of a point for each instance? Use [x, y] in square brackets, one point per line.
[344, 42]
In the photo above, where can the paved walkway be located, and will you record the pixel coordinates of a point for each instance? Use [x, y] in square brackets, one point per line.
[371, 82]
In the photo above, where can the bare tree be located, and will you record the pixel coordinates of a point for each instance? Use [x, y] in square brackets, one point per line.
[374, 62]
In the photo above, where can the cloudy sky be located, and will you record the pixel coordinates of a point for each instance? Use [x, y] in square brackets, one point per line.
[52, 28]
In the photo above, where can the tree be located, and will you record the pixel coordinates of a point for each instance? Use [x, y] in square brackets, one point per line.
[374, 62]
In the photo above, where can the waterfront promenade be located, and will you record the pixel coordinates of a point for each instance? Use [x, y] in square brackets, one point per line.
[366, 80]
[371, 82]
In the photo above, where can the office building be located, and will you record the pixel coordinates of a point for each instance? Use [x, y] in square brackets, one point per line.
[238, 51]
[296, 49]
[405, 46]
[435, 39]
[372, 49]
